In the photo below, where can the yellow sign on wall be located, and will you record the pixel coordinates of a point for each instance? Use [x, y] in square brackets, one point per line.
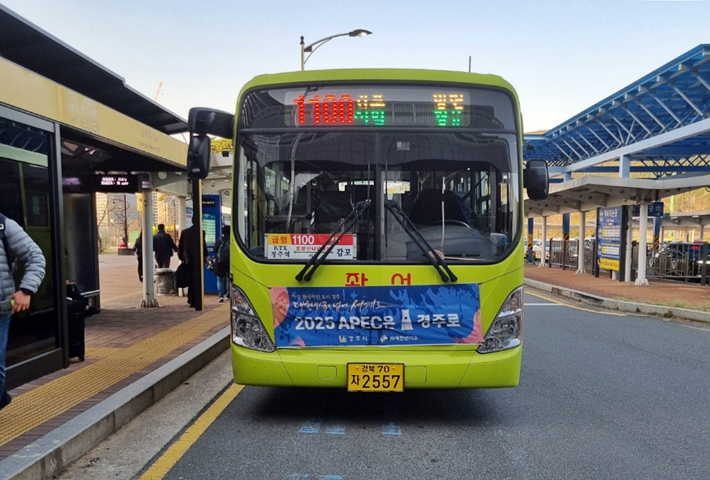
[25, 90]
[609, 264]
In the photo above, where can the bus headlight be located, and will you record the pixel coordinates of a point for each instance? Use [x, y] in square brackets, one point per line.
[247, 329]
[505, 331]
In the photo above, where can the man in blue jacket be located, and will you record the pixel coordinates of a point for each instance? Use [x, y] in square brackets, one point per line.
[16, 246]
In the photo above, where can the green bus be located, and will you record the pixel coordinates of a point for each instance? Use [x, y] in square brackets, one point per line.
[377, 233]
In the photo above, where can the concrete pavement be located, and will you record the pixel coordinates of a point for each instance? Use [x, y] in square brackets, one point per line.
[135, 356]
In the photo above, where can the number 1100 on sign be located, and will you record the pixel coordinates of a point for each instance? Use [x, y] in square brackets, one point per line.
[330, 110]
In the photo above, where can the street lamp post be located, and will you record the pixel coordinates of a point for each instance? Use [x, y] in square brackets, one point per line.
[309, 49]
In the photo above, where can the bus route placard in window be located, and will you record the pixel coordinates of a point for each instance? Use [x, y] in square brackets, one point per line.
[302, 246]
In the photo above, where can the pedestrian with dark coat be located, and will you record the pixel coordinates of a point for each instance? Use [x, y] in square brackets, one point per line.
[163, 246]
[138, 249]
[189, 254]
[221, 263]
[22, 250]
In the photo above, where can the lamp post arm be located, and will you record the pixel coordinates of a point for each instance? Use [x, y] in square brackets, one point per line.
[320, 42]
[316, 45]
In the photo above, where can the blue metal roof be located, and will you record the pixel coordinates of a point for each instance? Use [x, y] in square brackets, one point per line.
[661, 123]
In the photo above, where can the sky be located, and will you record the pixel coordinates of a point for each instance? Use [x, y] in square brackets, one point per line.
[561, 56]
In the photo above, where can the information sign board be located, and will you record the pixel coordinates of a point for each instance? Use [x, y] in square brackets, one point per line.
[609, 238]
[211, 215]
[123, 183]
[655, 209]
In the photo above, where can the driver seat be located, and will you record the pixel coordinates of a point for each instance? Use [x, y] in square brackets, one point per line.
[427, 208]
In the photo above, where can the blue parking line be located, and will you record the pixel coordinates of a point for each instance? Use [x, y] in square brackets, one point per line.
[304, 476]
[391, 428]
[335, 430]
[310, 427]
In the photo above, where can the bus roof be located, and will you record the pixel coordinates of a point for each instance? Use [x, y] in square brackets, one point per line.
[379, 74]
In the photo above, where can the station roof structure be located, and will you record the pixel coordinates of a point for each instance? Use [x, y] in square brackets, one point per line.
[589, 192]
[692, 219]
[28, 46]
[660, 122]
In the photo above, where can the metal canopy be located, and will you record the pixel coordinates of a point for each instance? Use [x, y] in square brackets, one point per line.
[80, 155]
[589, 192]
[693, 219]
[34, 49]
[661, 123]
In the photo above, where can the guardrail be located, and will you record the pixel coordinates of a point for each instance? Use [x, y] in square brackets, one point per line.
[678, 261]
[686, 262]
[563, 254]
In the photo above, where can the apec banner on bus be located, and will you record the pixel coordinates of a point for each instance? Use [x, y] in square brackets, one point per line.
[364, 316]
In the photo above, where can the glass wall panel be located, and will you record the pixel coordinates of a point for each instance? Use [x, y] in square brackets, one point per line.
[25, 187]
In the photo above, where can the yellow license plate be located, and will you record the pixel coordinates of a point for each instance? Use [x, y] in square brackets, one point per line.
[375, 377]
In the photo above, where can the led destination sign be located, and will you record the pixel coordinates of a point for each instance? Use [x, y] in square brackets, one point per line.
[118, 183]
[379, 107]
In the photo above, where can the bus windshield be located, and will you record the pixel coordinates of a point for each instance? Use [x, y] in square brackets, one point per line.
[445, 157]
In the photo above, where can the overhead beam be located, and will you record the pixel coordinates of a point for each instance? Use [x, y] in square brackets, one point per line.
[694, 129]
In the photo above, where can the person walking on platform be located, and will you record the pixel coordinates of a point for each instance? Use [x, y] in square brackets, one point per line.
[16, 245]
[189, 253]
[163, 246]
[138, 249]
[221, 263]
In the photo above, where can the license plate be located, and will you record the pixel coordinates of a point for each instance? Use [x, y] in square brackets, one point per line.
[375, 377]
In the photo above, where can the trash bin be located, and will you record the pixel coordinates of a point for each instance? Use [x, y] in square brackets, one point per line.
[165, 281]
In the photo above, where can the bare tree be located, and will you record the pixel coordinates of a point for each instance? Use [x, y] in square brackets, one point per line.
[116, 211]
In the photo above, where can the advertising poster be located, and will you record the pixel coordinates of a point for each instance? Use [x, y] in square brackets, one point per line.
[366, 316]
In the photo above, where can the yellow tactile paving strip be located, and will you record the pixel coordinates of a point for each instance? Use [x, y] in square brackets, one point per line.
[46, 402]
[101, 352]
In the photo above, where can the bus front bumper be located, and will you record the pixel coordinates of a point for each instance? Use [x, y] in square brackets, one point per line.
[326, 368]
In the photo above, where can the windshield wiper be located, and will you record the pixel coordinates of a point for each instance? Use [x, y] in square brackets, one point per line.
[317, 259]
[432, 255]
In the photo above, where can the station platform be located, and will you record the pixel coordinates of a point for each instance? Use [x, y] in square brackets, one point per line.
[669, 298]
[135, 356]
[138, 353]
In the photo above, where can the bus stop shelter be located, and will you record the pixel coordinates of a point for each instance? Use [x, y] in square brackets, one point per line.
[69, 128]
[646, 142]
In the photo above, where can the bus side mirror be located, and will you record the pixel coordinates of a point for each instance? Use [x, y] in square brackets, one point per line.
[198, 157]
[207, 121]
[536, 179]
